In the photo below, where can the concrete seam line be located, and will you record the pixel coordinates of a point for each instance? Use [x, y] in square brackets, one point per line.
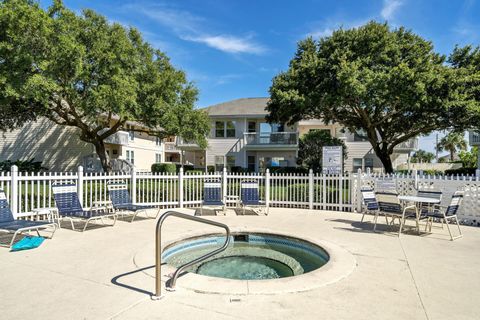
[413, 278]
[127, 308]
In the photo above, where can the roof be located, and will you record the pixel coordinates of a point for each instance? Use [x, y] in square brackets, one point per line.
[239, 107]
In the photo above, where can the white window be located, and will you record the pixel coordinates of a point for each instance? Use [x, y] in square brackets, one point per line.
[158, 157]
[230, 161]
[131, 156]
[225, 129]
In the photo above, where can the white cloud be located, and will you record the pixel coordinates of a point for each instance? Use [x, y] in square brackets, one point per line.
[228, 43]
[389, 8]
[190, 27]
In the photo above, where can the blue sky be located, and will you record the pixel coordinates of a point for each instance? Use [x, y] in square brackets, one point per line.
[232, 49]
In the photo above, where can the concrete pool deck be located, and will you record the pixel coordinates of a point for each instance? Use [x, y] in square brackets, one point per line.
[92, 275]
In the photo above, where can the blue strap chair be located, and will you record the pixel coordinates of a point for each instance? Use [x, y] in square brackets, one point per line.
[425, 208]
[447, 213]
[390, 206]
[370, 203]
[9, 224]
[69, 207]
[122, 202]
[250, 197]
[213, 195]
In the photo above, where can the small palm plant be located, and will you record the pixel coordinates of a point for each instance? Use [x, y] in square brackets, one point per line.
[452, 142]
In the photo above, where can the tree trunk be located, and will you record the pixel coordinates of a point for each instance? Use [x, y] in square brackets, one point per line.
[102, 154]
[452, 155]
[386, 161]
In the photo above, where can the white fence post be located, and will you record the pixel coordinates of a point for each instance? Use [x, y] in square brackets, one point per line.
[14, 190]
[180, 187]
[80, 184]
[358, 197]
[267, 187]
[310, 189]
[133, 186]
[224, 183]
[415, 176]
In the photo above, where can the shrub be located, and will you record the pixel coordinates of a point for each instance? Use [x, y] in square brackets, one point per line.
[195, 171]
[295, 170]
[23, 165]
[238, 169]
[461, 171]
[164, 167]
[210, 169]
[432, 172]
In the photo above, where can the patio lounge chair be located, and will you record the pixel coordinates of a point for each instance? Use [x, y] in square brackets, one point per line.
[390, 206]
[69, 207]
[122, 203]
[10, 225]
[250, 197]
[212, 195]
[370, 203]
[444, 214]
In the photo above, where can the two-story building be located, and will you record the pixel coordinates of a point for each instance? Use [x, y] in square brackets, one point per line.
[474, 140]
[240, 136]
[60, 149]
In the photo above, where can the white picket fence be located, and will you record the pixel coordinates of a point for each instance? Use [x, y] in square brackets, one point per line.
[29, 191]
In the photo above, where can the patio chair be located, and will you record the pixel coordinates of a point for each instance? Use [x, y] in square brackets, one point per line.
[212, 195]
[250, 197]
[446, 213]
[425, 208]
[69, 207]
[122, 203]
[370, 203]
[10, 225]
[390, 206]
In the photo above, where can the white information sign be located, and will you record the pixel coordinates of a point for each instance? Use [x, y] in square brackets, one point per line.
[332, 160]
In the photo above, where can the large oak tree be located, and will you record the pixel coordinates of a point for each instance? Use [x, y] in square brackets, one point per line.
[80, 70]
[389, 84]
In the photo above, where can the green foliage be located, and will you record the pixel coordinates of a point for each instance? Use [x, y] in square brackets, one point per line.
[432, 172]
[81, 70]
[452, 142]
[422, 156]
[310, 149]
[289, 170]
[466, 63]
[461, 171]
[164, 167]
[211, 169]
[23, 165]
[469, 159]
[388, 83]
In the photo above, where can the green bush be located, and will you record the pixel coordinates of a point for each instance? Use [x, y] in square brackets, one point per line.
[195, 171]
[210, 169]
[461, 171]
[164, 167]
[290, 170]
[23, 165]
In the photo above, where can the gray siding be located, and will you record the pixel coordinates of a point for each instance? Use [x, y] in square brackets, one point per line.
[58, 147]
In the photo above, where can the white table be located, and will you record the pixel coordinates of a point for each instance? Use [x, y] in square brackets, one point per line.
[418, 202]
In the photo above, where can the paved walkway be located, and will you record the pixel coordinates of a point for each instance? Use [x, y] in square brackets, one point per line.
[92, 275]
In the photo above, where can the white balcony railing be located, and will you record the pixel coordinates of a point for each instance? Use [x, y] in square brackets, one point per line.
[474, 138]
[271, 138]
[407, 146]
[120, 137]
[171, 147]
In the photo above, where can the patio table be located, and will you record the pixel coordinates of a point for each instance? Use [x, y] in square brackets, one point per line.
[418, 202]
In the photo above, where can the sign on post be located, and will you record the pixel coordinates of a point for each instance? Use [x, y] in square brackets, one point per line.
[332, 160]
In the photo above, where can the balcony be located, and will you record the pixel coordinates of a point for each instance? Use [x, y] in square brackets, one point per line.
[407, 146]
[183, 144]
[474, 138]
[171, 147]
[119, 137]
[271, 140]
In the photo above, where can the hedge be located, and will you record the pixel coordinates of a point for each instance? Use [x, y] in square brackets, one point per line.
[461, 171]
[164, 167]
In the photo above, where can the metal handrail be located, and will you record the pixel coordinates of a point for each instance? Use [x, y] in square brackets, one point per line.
[158, 249]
